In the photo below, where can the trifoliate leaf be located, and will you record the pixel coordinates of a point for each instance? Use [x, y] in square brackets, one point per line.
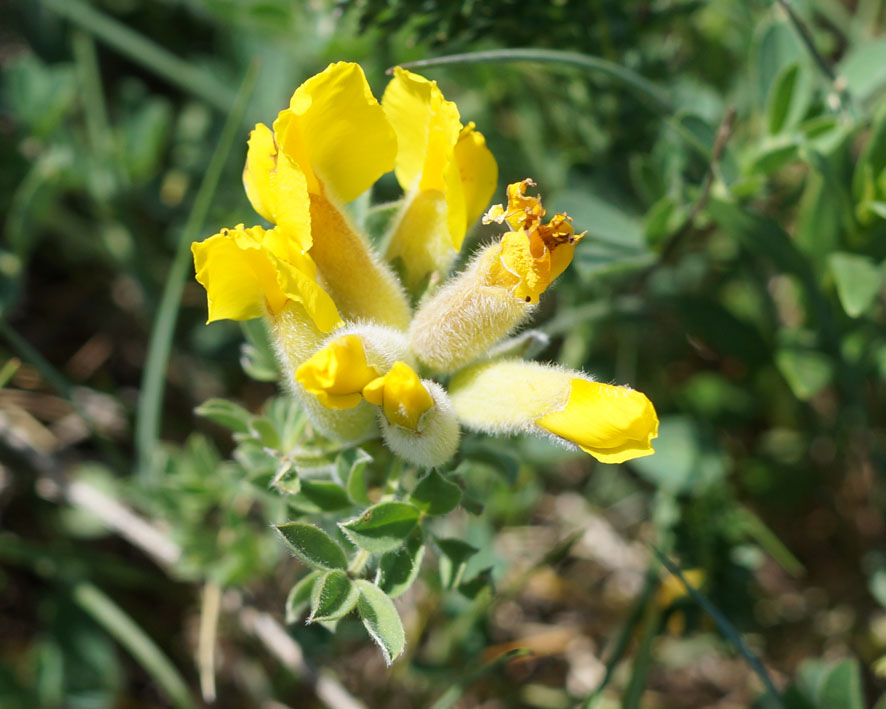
[313, 546]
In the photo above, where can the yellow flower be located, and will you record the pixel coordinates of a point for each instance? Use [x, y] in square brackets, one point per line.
[611, 423]
[533, 255]
[328, 147]
[445, 169]
[401, 395]
[337, 373]
[315, 273]
[250, 272]
[497, 290]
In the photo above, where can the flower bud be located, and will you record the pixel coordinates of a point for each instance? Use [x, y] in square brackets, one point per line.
[611, 423]
[329, 381]
[416, 418]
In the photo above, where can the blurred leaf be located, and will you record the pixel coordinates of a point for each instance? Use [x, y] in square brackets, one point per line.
[257, 353]
[299, 597]
[863, 67]
[774, 154]
[841, 687]
[789, 98]
[663, 219]
[687, 458]
[317, 496]
[474, 587]
[351, 467]
[266, 432]
[858, 281]
[615, 238]
[225, 413]
[493, 453]
[806, 371]
[143, 137]
[313, 546]
[398, 569]
[775, 48]
[383, 527]
[454, 556]
[872, 161]
[381, 620]
[435, 495]
[37, 94]
[333, 596]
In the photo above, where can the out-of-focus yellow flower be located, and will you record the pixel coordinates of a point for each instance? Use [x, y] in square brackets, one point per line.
[337, 373]
[445, 169]
[672, 590]
[401, 395]
[611, 423]
[248, 272]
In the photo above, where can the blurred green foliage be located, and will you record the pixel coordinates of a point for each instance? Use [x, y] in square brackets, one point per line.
[734, 271]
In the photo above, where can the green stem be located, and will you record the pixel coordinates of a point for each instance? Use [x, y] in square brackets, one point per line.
[147, 425]
[359, 563]
[184, 74]
[639, 85]
[121, 627]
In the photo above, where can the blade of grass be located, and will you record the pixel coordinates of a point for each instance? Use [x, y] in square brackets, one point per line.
[725, 627]
[624, 637]
[128, 633]
[453, 694]
[633, 694]
[147, 424]
[639, 85]
[8, 370]
[92, 96]
[186, 75]
[757, 530]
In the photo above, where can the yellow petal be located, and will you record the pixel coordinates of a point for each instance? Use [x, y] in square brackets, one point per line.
[336, 132]
[238, 275]
[611, 423]
[297, 281]
[277, 188]
[427, 128]
[337, 373]
[402, 396]
[478, 171]
[261, 162]
[525, 266]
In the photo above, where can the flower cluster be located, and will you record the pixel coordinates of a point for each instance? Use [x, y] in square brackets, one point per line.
[355, 353]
